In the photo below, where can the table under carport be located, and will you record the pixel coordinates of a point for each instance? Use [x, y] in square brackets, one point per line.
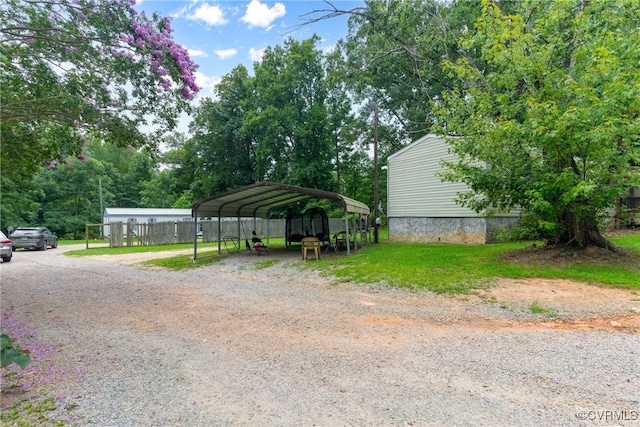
[260, 199]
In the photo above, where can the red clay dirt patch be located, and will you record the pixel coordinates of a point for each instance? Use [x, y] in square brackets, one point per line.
[565, 293]
[550, 291]
[630, 324]
[582, 307]
[593, 304]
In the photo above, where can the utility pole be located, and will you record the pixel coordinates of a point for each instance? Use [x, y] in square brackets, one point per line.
[376, 201]
[101, 209]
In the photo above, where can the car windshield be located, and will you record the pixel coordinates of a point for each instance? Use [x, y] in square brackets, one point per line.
[27, 231]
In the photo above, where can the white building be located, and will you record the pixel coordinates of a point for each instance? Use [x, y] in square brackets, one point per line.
[422, 208]
[143, 216]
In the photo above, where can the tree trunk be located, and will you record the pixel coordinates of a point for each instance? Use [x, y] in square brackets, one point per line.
[582, 232]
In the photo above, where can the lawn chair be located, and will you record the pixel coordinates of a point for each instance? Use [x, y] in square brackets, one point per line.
[257, 246]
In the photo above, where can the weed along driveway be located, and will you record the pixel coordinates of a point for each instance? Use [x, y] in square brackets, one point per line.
[116, 343]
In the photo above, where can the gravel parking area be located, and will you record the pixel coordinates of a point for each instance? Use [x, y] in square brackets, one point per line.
[232, 345]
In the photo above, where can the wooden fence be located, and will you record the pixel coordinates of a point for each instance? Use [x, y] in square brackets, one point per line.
[170, 232]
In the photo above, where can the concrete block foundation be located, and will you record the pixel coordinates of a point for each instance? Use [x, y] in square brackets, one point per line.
[448, 230]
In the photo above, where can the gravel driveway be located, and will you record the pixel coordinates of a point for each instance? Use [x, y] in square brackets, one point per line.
[232, 345]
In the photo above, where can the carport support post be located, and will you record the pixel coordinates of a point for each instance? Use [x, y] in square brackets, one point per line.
[268, 232]
[346, 230]
[239, 233]
[195, 235]
[219, 234]
[355, 234]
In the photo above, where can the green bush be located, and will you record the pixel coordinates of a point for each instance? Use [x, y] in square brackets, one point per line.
[12, 354]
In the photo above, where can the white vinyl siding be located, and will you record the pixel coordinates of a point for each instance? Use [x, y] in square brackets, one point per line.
[144, 215]
[414, 187]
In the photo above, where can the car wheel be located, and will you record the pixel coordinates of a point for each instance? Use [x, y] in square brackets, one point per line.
[44, 246]
[55, 245]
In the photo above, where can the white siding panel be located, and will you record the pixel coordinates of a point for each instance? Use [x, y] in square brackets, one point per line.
[414, 187]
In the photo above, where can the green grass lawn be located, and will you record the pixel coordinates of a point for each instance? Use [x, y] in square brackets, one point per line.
[452, 268]
[441, 268]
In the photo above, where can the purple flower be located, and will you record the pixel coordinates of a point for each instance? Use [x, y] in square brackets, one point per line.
[165, 83]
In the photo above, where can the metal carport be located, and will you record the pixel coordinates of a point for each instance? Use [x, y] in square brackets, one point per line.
[259, 199]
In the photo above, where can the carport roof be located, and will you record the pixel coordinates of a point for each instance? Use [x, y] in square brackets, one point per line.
[257, 200]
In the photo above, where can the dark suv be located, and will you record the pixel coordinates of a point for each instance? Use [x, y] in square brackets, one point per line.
[33, 238]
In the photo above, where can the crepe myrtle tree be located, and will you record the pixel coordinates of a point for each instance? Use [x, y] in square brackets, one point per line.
[77, 68]
[549, 119]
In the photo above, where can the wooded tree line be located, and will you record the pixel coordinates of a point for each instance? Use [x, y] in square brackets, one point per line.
[546, 94]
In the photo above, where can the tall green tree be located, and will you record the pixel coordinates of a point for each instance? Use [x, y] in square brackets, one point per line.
[73, 68]
[20, 204]
[160, 191]
[126, 168]
[70, 196]
[288, 116]
[173, 183]
[395, 50]
[551, 122]
[225, 151]
[345, 129]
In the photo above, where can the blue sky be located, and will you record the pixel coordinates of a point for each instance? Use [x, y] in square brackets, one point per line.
[220, 35]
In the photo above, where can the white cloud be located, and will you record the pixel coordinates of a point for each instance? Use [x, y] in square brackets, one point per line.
[212, 15]
[256, 54]
[226, 53]
[180, 12]
[206, 84]
[194, 53]
[329, 49]
[260, 15]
